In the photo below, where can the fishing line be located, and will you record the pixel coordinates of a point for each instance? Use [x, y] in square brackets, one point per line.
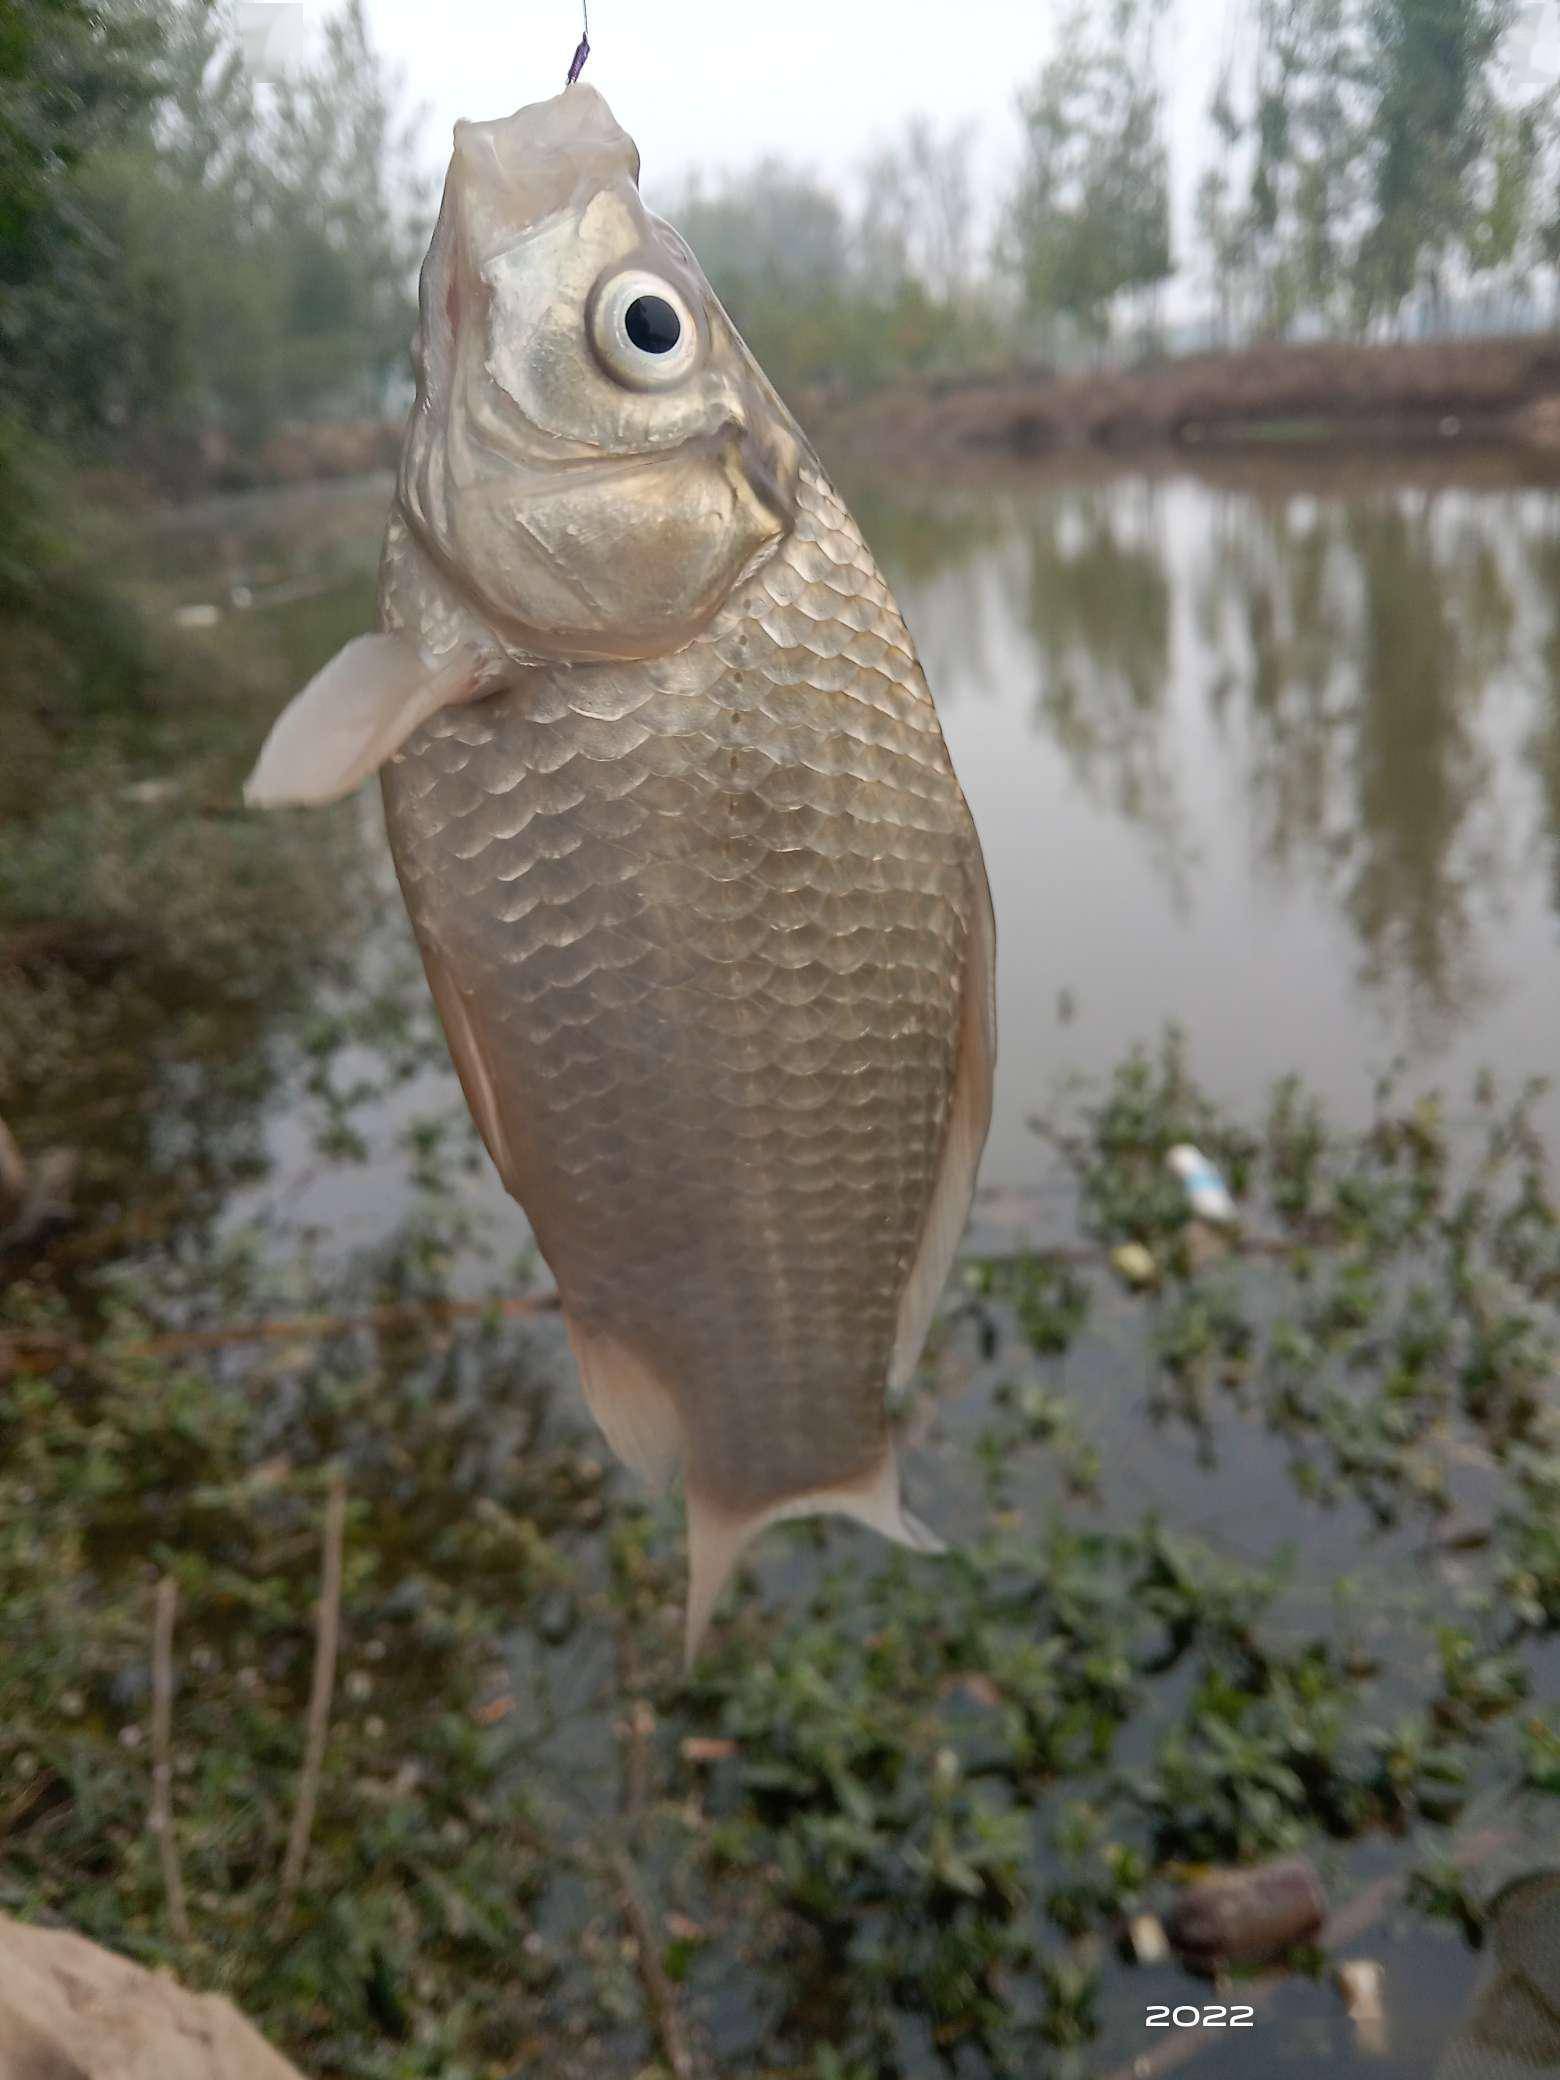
[577, 62]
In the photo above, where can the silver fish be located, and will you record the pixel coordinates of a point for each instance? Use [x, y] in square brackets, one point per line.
[699, 897]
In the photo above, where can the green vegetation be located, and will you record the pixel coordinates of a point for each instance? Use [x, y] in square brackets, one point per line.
[840, 299]
[184, 260]
[1366, 162]
[902, 1808]
[1090, 224]
[1375, 154]
[181, 270]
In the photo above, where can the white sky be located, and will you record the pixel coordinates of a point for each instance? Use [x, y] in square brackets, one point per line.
[721, 82]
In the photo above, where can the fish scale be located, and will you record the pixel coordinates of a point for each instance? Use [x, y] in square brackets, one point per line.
[719, 993]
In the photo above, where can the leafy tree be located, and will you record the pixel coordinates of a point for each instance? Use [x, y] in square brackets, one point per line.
[1368, 157]
[1504, 215]
[1222, 222]
[209, 260]
[73, 78]
[347, 216]
[1090, 222]
[1279, 207]
[1430, 64]
[838, 298]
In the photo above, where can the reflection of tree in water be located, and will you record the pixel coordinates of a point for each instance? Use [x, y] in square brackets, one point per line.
[1365, 634]
[1544, 745]
[1096, 601]
[1270, 592]
[1430, 633]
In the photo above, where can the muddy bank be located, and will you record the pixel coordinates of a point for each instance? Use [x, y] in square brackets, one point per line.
[1503, 392]
[1337, 398]
[211, 464]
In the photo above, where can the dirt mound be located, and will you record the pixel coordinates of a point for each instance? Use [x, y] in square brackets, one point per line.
[1500, 390]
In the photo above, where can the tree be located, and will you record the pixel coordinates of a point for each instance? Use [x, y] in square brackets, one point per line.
[1430, 64]
[1090, 222]
[1503, 214]
[256, 253]
[1378, 159]
[73, 78]
[1222, 223]
[918, 212]
[840, 299]
[346, 211]
[1278, 209]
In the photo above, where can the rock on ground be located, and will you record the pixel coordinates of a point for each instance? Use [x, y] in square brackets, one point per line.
[70, 2011]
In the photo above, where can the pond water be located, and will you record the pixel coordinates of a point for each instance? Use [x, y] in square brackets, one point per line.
[1281, 763]
[1278, 760]
[1274, 755]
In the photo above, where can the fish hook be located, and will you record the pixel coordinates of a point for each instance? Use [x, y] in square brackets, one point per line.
[577, 62]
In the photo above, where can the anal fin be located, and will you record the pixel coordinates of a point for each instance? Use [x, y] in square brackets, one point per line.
[636, 1413]
[633, 1409]
[477, 1079]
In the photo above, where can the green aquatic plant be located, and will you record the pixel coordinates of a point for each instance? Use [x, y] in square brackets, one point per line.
[903, 1807]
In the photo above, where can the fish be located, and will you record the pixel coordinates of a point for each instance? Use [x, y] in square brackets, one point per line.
[699, 897]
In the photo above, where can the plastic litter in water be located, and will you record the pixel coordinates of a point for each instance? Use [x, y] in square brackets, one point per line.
[1206, 1192]
[1360, 1981]
[1135, 1264]
[1149, 1943]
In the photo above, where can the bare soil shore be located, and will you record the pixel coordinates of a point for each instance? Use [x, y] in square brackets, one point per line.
[1319, 403]
[1487, 392]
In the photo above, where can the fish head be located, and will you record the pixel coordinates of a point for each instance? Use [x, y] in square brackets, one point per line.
[594, 459]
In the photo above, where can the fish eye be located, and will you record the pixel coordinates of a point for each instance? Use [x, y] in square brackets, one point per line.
[652, 324]
[643, 332]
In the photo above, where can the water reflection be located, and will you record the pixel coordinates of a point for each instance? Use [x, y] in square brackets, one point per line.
[1544, 745]
[1293, 757]
[1361, 639]
[1097, 603]
[1433, 631]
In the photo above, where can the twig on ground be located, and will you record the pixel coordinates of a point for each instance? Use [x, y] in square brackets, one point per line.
[408, 1314]
[634, 1729]
[326, 1637]
[162, 1755]
[658, 1988]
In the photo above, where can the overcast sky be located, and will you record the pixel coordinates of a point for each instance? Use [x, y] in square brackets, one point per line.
[721, 82]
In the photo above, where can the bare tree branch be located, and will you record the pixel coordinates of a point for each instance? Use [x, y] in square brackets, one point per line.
[162, 1755]
[326, 1638]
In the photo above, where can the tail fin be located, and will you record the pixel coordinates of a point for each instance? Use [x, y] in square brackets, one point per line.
[718, 1537]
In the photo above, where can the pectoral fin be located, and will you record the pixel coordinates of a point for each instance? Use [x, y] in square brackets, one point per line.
[354, 714]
